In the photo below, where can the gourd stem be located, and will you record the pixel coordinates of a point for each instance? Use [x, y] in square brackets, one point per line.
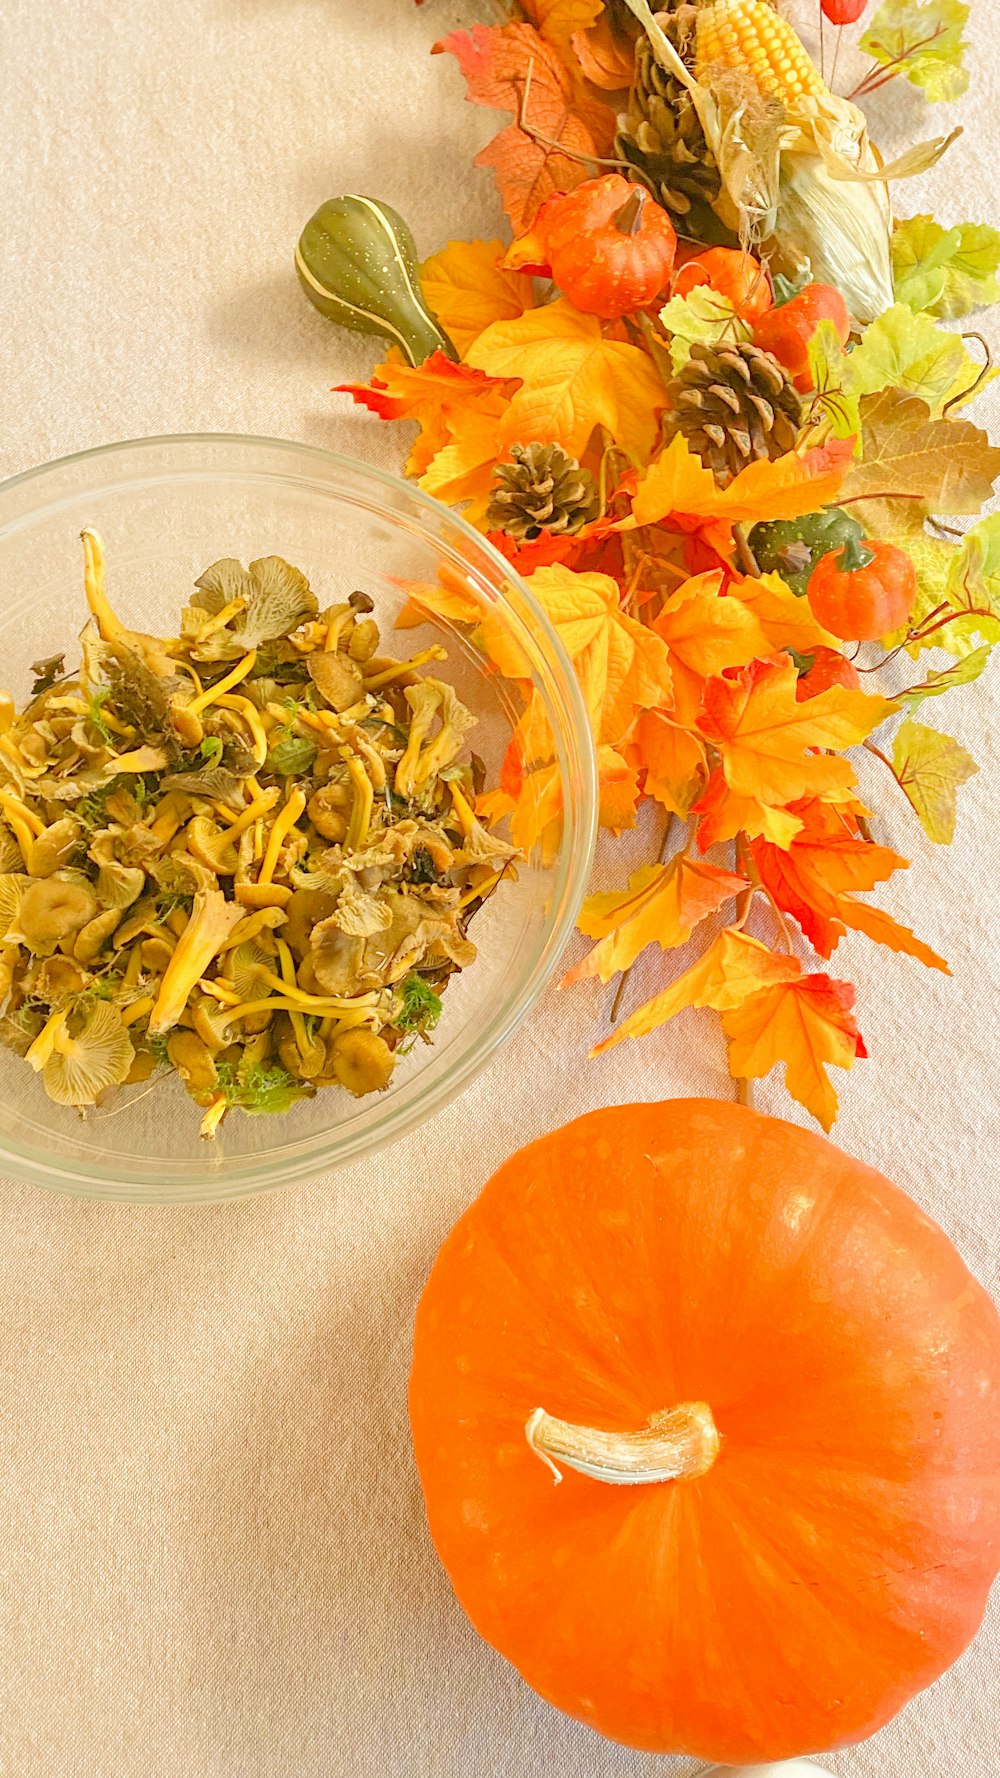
[628, 220]
[680, 1442]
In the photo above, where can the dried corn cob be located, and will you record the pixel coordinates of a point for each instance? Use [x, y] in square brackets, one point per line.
[750, 35]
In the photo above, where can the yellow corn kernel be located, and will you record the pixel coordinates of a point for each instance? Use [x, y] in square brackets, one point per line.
[749, 34]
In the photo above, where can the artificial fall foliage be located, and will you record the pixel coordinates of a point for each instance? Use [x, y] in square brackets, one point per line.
[694, 652]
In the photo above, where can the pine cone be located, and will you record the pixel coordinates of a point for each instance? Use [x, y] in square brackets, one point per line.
[542, 489]
[660, 134]
[733, 404]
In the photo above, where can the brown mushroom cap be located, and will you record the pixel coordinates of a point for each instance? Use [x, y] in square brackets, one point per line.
[361, 1061]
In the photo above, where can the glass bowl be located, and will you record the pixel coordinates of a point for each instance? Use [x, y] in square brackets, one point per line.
[166, 508]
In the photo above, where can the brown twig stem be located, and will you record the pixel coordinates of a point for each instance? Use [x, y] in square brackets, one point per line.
[570, 154]
[748, 561]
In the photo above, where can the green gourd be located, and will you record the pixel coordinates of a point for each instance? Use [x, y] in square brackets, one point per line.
[357, 263]
[792, 547]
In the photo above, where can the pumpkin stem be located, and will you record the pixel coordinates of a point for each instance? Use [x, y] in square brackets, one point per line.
[628, 220]
[678, 1442]
[853, 555]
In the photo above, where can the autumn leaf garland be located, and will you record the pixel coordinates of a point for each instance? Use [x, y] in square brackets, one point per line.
[696, 667]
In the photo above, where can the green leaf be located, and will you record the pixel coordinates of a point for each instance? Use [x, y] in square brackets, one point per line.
[829, 367]
[962, 673]
[972, 588]
[904, 350]
[211, 749]
[291, 757]
[930, 767]
[923, 40]
[947, 272]
[702, 315]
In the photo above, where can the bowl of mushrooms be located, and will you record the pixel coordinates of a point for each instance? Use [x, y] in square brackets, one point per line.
[263, 905]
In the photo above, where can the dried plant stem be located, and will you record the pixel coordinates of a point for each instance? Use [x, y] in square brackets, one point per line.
[747, 559]
[657, 348]
[836, 57]
[744, 1091]
[881, 72]
[870, 747]
[967, 394]
[570, 154]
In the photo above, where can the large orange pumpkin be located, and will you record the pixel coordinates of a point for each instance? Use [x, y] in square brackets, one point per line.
[770, 1388]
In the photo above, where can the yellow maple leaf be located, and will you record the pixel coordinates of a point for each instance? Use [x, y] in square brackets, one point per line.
[467, 289]
[620, 664]
[734, 967]
[678, 483]
[785, 619]
[573, 379]
[663, 904]
[763, 735]
[806, 1023]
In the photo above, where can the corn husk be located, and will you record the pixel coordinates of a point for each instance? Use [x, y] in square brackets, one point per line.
[802, 181]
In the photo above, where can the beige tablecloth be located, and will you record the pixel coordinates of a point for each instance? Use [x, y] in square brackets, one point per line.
[213, 1561]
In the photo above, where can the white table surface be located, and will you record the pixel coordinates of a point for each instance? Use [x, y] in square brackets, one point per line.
[213, 1562]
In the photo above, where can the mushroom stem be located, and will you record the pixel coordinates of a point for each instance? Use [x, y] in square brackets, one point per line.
[680, 1442]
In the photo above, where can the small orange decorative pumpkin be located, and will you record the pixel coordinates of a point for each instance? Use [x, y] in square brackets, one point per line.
[863, 590]
[767, 1388]
[736, 275]
[787, 330]
[607, 244]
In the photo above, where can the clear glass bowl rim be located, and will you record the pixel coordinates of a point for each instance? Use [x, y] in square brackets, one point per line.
[575, 753]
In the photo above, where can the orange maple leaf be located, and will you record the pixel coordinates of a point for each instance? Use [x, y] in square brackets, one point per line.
[663, 904]
[620, 664]
[435, 394]
[496, 61]
[536, 806]
[734, 967]
[672, 760]
[764, 735]
[706, 632]
[447, 599]
[606, 62]
[467, 288]
[807, 1023]
[462, 470]
[724, 814]
[572, 379]
[678, 486]
[560, 20]
[815, 881]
